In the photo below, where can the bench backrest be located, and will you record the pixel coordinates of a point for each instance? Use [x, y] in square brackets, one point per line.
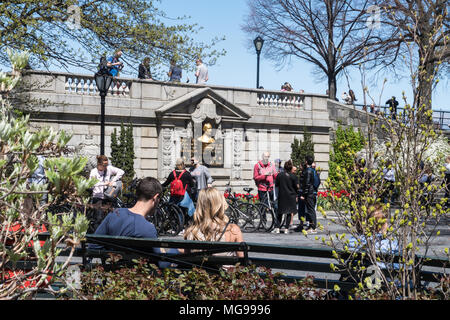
[300, 260]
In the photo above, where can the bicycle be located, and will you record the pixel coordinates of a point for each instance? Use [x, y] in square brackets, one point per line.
[245, 214]
[168, 218]
[266, 207]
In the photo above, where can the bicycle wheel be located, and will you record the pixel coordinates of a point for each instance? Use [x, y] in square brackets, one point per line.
[179, 211]
[231, 212]
[248, 216]
[267, 217]
[170, 221]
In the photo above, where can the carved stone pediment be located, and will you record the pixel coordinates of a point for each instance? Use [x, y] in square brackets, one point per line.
[205, 109]
[202, 104]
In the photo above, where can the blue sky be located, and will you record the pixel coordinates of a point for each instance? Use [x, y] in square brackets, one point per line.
[238, 67]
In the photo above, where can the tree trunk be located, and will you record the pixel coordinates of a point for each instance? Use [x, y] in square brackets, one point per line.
[425, 86]
[332, 87]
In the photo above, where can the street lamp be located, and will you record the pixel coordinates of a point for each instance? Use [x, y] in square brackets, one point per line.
[103, 81]
[258, 42]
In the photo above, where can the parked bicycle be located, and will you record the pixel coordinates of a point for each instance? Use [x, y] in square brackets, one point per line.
[168, 218]
[267, 209]
[243, 213]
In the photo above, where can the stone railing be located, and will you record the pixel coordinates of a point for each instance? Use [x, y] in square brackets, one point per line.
[278, 99]
[86, 85]
[154, 94]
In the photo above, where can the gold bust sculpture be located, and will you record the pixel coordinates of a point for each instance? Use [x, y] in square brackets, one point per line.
[206, 137]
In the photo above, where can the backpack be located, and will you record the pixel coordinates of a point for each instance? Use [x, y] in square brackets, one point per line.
[316, 180]
[176, 186]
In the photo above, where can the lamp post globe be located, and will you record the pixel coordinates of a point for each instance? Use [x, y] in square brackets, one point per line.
[258, 42]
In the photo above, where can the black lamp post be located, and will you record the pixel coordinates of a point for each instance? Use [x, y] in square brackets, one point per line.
[258, 42]
[103, 81]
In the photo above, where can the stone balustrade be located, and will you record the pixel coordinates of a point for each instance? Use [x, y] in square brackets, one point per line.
[86, 85]
[278, 99]
[146, 90]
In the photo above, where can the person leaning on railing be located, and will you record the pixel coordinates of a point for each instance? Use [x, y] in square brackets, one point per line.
[144, 69]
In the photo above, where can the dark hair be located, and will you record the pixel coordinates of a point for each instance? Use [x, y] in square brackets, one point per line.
[309, 159]
[101, 159]
[147, 188]
[288, 166]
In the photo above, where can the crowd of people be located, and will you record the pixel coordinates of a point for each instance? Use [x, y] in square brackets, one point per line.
[175, 73]
[291, 190]
[208, 222]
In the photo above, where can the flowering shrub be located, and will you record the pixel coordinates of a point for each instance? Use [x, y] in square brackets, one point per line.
[324, 198]
[331, 193]
[241, 196]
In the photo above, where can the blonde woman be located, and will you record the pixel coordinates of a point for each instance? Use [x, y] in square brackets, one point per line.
[210, 221]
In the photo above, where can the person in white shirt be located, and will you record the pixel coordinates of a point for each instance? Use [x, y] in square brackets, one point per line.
[108, 178]
[202, 72]
[107, 175]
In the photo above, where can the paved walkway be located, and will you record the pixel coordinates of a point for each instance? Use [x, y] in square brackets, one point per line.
[437, 245]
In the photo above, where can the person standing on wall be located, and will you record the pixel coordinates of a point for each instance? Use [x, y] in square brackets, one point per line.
[175, 72]
[144, 69]
[114, 64]
[393, 104]
[202, 72]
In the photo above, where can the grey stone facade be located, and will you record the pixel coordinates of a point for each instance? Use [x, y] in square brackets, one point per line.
[247, 122]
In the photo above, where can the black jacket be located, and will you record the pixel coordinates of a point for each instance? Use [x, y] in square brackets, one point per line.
[144, 72]
[307, 183]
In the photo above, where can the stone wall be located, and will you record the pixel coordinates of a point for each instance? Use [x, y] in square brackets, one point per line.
[252, 121]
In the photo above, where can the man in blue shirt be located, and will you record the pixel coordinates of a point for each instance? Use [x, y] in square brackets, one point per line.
[114, 64]
[175, 73]
[131, 222]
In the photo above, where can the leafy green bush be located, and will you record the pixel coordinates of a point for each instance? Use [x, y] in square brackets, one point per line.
[144, 281]
[25, 204]
[302, 148]
[122, 152]
[347, 143]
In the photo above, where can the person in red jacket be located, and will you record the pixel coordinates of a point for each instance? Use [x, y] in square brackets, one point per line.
[264, 174]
